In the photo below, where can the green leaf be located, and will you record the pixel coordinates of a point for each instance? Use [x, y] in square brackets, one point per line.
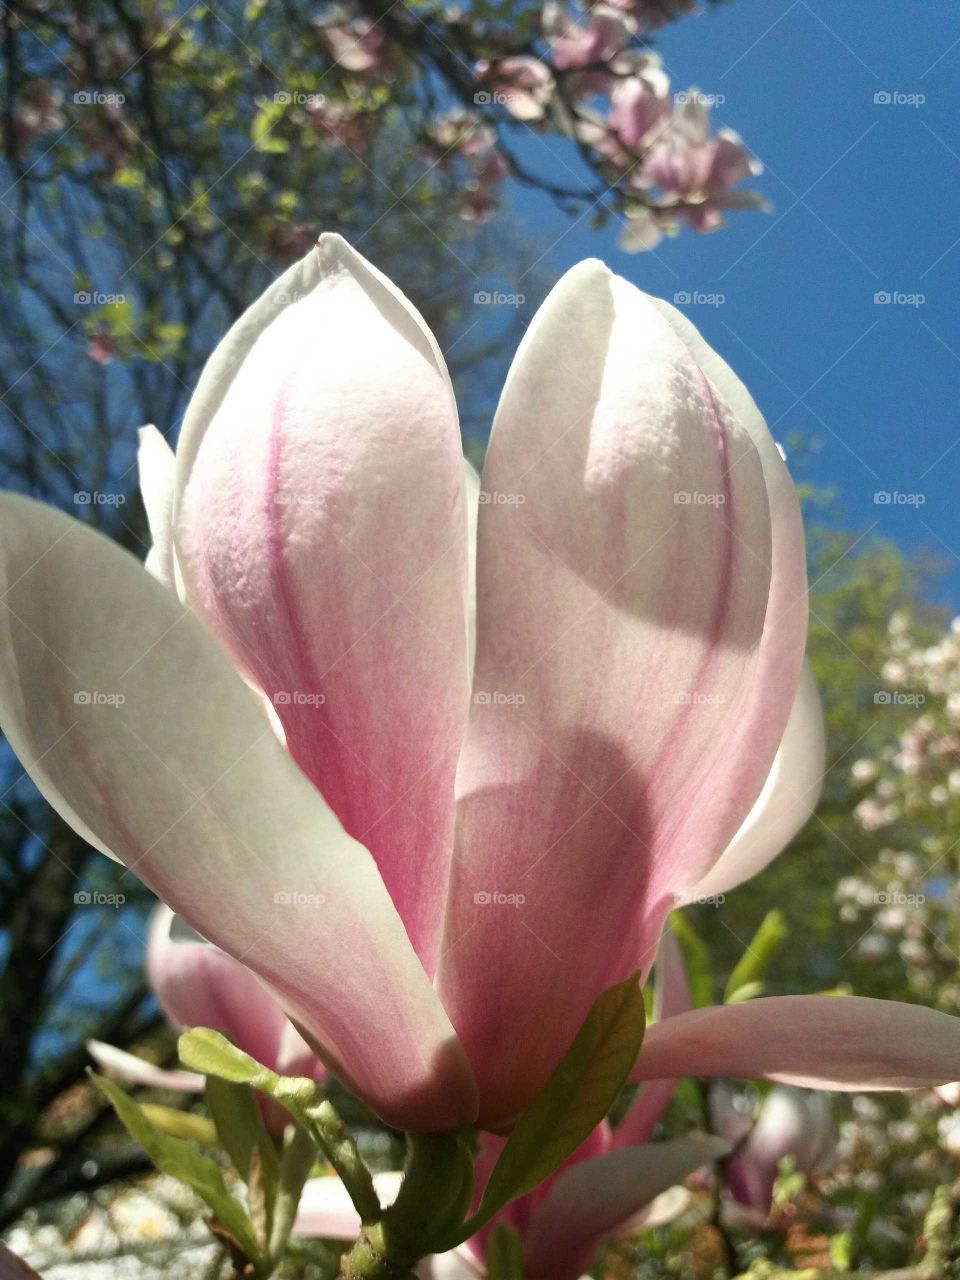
[237, 1117]
[760, 951]
[268, 115]
[180, 1124]
[178, 1159]
[749, 992]
[504, 1254]
[576, 1098]
[696, 960]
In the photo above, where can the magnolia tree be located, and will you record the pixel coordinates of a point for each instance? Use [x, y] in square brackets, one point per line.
[429, 759]
[478, 91]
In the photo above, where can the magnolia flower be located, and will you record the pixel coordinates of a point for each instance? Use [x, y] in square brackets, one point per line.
[439, 853]
[523, 85]
[702, 169]
[640, 107]
[591, 51]
[788, 1123]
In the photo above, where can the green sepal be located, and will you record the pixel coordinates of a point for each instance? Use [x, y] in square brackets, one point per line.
[504, 1254]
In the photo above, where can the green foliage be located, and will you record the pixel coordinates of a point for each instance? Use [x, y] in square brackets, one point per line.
[177, 1158]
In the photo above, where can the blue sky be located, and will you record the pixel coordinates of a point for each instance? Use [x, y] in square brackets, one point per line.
[866, 198]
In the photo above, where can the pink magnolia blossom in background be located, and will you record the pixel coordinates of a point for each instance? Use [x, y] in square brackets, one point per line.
[421, 853]
[788, 1122]
[523, 85]
[574, 46]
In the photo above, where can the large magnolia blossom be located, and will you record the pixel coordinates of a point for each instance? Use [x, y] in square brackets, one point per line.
[436, 864]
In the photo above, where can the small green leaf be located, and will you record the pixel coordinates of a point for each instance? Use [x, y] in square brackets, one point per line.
[237, 1117]
[696, 960]
[178, 1159]
[180, 1124]
[504, 1254]
[760, 951]
[749, 992]
[576, 1098]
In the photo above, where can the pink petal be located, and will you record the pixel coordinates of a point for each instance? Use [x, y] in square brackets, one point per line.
[844, 1043]
[129, 1069]
[762, 722]
[198, 985]
[593, 1200]
[186, 782]
[785, 804]
[321, 531]
[326, 1211]
[617, 645]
